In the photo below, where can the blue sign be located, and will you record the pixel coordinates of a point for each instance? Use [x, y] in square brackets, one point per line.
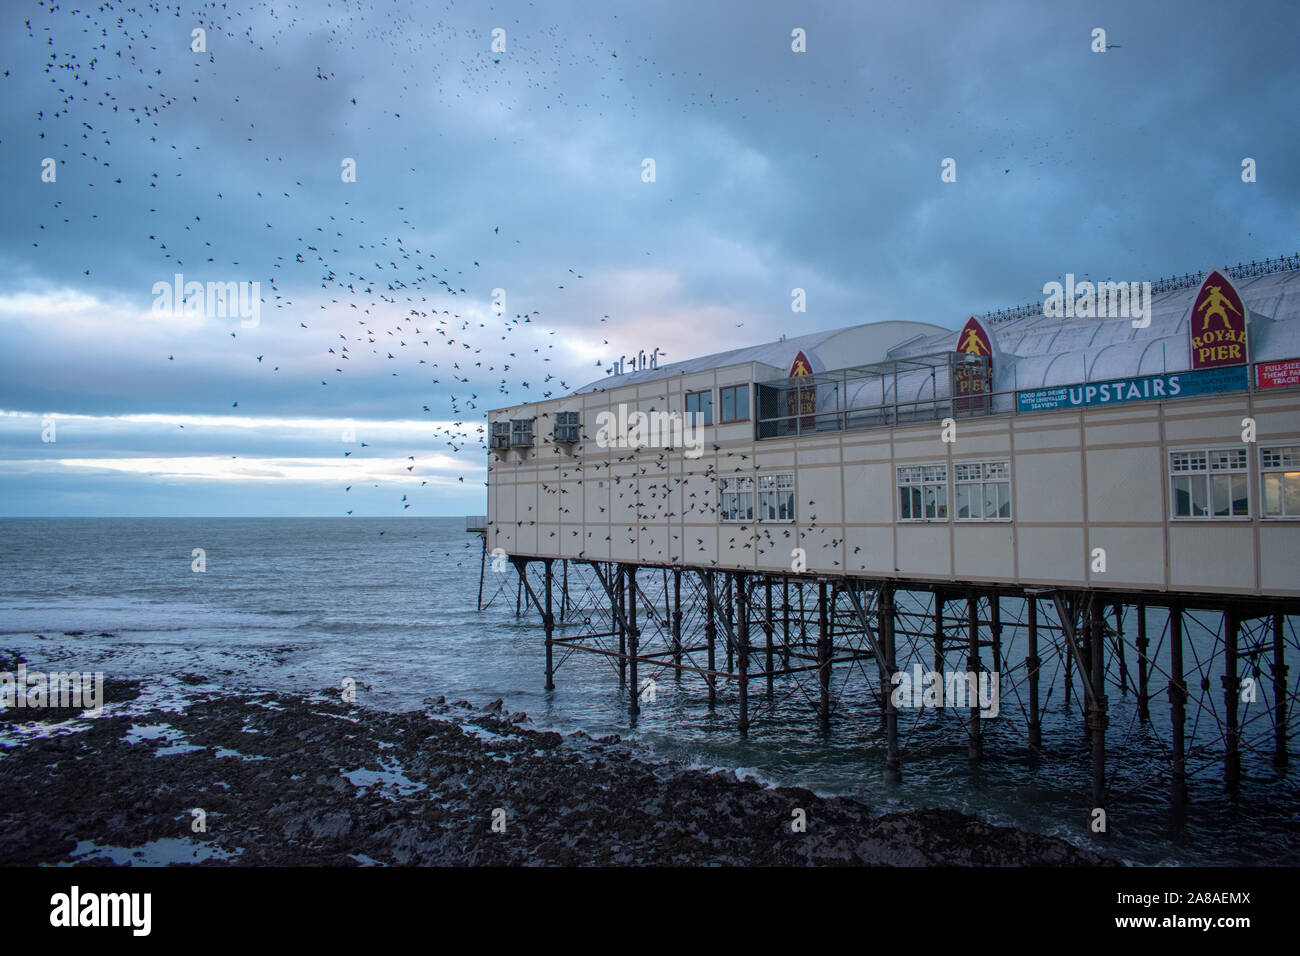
[1142, 389]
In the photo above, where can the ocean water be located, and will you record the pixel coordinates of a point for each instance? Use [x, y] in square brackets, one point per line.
[305, 604]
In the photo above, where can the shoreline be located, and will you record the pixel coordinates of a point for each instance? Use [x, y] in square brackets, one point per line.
[286, 779]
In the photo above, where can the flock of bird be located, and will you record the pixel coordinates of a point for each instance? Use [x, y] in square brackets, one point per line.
[119, 116]
[659, 489]
[130, 115]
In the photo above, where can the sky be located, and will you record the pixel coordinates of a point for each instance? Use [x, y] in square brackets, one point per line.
[381, 171]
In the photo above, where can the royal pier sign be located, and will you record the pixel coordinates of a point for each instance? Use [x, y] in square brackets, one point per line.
[1218, 324]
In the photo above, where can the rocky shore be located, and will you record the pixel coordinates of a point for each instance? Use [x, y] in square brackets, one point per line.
[311, 780]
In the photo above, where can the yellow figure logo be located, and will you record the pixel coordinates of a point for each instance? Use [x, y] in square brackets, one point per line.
[972, 344]
[1216, 303]
[799, 368]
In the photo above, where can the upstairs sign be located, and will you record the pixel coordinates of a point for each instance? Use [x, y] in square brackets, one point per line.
[1217, 327]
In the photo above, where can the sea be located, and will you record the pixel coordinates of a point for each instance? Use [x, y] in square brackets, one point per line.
[390, 604]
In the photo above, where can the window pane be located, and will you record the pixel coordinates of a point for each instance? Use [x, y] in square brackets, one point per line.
[1221, 487]
[1273, 494]
[1240, 496]
[728, 405]
[941, 490]
[1200, 504]
[1181, 488]
[990, 500]
[1004, 499]
[708, 407]
[963, 501]
[1293, 492]
[909, 503]
[742, 401]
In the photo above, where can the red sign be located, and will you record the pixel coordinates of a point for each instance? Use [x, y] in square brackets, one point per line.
[969, 381]
[1218, 324]
[1276, 374]
[802, 401]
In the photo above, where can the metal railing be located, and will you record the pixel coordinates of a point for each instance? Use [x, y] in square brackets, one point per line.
[894, 414]
[1187, 280]
[476, 523]
[890, 415]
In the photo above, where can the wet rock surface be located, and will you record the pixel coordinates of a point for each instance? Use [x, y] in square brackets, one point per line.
[293, 780]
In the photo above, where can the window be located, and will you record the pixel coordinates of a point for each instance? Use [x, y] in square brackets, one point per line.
[700, 405]
[983, 490]
[567, 425]
[734, 400]
[776, 497]
[922, 492]
[1209, 483]
[1280, 474]
[736, 499]
[500, 434]
[521, 431]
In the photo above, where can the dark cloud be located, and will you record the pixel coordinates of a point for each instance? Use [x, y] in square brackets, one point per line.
[774, 170]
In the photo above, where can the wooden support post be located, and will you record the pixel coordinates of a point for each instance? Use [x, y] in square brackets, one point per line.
[1177, 706]
[548, 623]
[1032, 665]
[710, 635]
[519, 595]
[1231, 699]
[742, 650]
[1144, 696]
[893, 764]
[823, 656]
[633, 641]
[975, 745]
[1280, 701]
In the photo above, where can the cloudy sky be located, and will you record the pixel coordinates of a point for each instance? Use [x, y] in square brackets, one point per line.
[375, 350]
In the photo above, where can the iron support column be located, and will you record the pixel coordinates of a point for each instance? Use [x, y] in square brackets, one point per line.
[893, 765]
[548, 622]
[1177, 705]
[1032, 665]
